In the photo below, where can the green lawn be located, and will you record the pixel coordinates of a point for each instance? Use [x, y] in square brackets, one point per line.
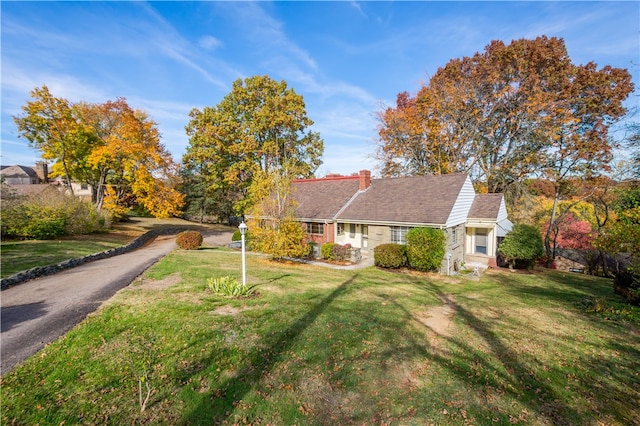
[17, 256]
[320, 346]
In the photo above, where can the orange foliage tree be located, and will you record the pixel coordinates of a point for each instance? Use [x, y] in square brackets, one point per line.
[505, 114]
[111, 147]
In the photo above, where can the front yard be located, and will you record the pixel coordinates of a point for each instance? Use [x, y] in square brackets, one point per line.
[321, 346]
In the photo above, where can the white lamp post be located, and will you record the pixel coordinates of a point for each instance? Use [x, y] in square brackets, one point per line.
[243, 229]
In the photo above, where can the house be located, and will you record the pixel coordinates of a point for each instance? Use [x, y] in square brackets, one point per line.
[366, 212]
[26, 180]
[32, 180]
[25, 175]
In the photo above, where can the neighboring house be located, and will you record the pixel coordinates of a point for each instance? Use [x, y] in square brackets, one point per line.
[30, 180]
[25, 175]
[80, 190]
[367, 212]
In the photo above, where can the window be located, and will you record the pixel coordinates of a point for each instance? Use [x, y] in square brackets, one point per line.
[340, 229]
[315, 228]
[454, 236]
[84, 187]
[352, 230]
[398, 234]
[481, 241]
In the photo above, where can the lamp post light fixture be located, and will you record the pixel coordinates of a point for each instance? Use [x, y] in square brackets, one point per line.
[243, 229]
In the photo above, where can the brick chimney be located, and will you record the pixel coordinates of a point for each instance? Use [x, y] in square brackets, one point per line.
[365, 179]
[42, 170]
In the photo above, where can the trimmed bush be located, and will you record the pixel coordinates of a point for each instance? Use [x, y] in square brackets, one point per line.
[390, 256]
[339, 252]
[189, 240]
[425, 248]
[327, 251]
[522, 246]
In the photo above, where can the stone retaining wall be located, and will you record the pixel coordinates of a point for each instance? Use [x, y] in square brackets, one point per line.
[40, 271]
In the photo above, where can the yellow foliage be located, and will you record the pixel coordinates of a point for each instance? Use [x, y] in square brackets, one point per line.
[111, 204]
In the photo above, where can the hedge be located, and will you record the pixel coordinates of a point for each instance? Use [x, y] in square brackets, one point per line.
[425, 248]
[390, 255]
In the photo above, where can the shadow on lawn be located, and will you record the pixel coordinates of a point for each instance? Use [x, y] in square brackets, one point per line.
[229, 392]
[517, 374]
[474, 367]
[568, 287]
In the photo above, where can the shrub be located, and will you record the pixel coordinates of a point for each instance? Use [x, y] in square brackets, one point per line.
[339, 252]
[281, 239]
[425, 248]
[390, 255]
[237, 236]
[627, 284]
[229, 286]
[189, 240]
[327, 251]
[49, 214]
[522, 246]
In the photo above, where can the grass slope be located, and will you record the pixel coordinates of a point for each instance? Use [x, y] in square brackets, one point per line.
[321, 346]
[17, 256]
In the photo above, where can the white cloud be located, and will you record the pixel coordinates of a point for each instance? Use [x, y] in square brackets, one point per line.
[209, 42]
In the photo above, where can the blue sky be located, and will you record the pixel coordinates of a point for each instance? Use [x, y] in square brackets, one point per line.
[347, 59]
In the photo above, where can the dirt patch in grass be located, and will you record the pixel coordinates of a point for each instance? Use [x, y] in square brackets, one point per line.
[163, 284]
[326, 404]
[438, 318]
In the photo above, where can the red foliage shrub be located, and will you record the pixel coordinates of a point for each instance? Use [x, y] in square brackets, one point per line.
[189, 240]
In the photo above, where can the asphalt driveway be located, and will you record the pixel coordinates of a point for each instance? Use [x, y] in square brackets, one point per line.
[37, 312]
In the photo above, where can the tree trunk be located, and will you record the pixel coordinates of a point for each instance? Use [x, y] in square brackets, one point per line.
[552, 222]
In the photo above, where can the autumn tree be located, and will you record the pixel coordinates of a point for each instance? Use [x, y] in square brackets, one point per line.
[258, 127]
[130, 159]
[505, 114]
[274, 228]
[109, 146]
[52, 126]
[622, 237]
[578, 143]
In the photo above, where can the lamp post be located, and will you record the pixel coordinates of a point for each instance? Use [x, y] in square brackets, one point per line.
[243, 229]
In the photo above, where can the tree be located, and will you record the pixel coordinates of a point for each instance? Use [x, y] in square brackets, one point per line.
[622, 237]
[260, 126]
[110, 146]
[522, 245]
[274, 229]
[505, 114]
[201, 201]
[52, 126]
[131, 159]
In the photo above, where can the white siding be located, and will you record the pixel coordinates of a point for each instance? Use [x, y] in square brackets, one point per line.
[502, 212]
[460, 210]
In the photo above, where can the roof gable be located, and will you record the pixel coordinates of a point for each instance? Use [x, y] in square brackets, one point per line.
[487, 206]
[425, 200]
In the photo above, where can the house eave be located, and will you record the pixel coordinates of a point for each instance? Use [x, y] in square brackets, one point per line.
[391, 223]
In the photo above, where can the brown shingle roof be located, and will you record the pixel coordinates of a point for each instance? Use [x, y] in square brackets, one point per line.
[415, 200]
[322, 199]
[18, 171]
[485, 206]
